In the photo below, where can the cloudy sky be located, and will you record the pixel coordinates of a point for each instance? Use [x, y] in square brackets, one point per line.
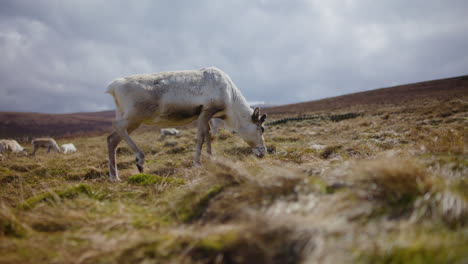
[58, 56]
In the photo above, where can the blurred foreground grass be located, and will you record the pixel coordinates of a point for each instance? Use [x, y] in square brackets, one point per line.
[387, 187]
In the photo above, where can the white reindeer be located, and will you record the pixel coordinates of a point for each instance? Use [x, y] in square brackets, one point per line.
[66, 148]
[11, 145]
[48, 143]
[169, 132]
[176, 98]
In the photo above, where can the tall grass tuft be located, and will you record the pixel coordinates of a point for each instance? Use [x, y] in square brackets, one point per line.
[9, 225]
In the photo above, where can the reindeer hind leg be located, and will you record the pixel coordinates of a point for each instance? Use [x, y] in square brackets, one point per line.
[112, 143]
[123, 128]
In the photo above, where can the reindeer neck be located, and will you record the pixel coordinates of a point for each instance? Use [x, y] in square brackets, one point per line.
[239, 111]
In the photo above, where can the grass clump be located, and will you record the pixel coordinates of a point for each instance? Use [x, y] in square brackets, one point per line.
[461, 187]
[7, 176]
[329, 151]
[394, 183]
[243, 243]
[194, 204]
[392, 180]
[177, 150]
[181, 248]
[164, 248]
[9, 225]
[88, 173]
[148, 179]
[447, 141]
[56, 196]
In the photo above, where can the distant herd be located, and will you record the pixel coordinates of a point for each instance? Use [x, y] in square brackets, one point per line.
[11, 145]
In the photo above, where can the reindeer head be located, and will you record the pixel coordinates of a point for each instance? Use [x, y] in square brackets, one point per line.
[253, 133]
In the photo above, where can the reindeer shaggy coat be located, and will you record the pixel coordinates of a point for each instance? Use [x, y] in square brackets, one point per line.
[170, 99]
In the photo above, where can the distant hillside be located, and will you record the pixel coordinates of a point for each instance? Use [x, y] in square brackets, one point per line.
[24, 126]
[437, 89]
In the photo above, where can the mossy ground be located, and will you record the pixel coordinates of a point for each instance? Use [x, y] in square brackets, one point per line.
[386, 187]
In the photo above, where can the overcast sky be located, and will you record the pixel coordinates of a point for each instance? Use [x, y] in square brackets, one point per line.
[59, 56]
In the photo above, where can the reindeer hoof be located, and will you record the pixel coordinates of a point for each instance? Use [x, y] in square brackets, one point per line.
[115, 179]
[140, 168]
[196, 163]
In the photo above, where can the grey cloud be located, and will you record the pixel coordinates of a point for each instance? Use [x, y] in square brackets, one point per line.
[58, 56]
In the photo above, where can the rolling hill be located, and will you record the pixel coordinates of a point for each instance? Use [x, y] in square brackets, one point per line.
[441, 89]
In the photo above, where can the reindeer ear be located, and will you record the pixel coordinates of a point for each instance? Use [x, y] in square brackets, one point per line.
[262, 119]
[255, 114]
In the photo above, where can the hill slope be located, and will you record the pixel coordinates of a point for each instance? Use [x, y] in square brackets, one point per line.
[442, 89]
[23, 126]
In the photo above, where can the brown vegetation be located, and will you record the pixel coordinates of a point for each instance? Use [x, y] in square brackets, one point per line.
[389, 186]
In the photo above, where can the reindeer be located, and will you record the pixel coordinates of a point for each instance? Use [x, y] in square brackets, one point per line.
[48, 143]
[68, 148]
[170, 99]
[11, 145]
[168, 132]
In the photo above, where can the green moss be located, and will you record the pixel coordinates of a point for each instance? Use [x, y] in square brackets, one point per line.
[147, 179]
[192, 205]
[419, 255]
[285, 139]
[55, 196]
[218, 242]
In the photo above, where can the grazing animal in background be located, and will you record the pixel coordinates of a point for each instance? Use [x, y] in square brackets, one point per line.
[11, 145]
[48, 143]
[176, 98]
[66, 148]
[169, 132]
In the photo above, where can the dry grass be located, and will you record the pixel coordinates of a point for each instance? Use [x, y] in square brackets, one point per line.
[386, 187]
